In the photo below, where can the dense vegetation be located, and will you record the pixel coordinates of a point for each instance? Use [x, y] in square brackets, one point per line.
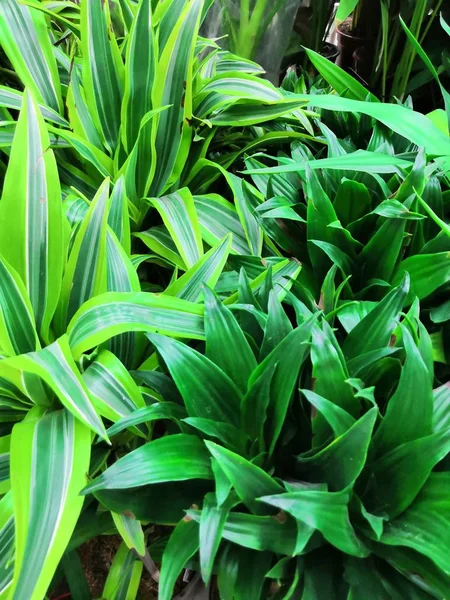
[224, 311]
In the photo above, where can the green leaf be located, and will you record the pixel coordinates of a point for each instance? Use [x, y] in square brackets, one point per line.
[374, 330]
[255, 403]
[81, 121]
[378, 259]
[289, 356]
[421, 526]
[220, 400]
[275, 533]
[325, 511]
[345, 8]
[248, 480]
[217, 218]
[173, 458]
[206, 271]
[182, 545]
[131, 532]
[226, 344]
[75, 576]
[139, 74]
[352, 201]
[49, 459]
[212, 523]
[172, 128]
[180, 217]
[417, 459]
[7, 539]
[110, 314]
[33, 239]
[17, 327]
[361, 160]
[277, 327]
[337, 418]
[25, 40]
[85, 275]
[340, 463]
[427, 272]
[241, 115]
[410, 409]
[158, 239]
[113, 390]
[154, 412]
[330, 373]
[56, 367]
[11, 98]
[412, 125]
[101, 79]
[441, 408]
[425, 58]
[124, 576]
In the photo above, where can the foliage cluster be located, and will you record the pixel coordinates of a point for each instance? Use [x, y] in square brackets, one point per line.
[224, 310]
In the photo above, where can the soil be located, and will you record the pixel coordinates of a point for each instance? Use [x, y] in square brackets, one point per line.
[96, 557]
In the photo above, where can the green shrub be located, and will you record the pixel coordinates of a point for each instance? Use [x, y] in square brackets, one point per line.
[255, 355]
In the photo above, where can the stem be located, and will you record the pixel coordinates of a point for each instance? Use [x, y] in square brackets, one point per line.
[255, 26]
[416, 23]
[430, 22]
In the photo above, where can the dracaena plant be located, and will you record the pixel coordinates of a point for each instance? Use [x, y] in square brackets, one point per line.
[144, 103]
[313, 460]
[72, 317]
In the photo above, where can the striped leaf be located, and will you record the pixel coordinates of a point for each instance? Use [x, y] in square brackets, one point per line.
[31, 214]
[86, 271]
[121, 277]
[206, 271]
[5, 483]
[87, 151]
[11, 98]
[131, 532]
[139, 75]
[242, 86]
[110, 314]
[56, 367]
[217, 217]
[17, 326]
[179, 215]
[7, 541]
[173, 86]
[101, 79]
[121, 272]
[158, 239]
[49, 459]
[124, 576]
[25, 40]
[81, 120]
[118, 218]
[252, 114]
[113, 390]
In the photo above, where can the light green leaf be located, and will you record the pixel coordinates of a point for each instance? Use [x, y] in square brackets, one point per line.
[49, 459]
[17, 327]
[101, 80]
[110, 314]
[33, 239]
[205, 272]
[180, 217]
[124, 576]
[25, 40]
[56, 367]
